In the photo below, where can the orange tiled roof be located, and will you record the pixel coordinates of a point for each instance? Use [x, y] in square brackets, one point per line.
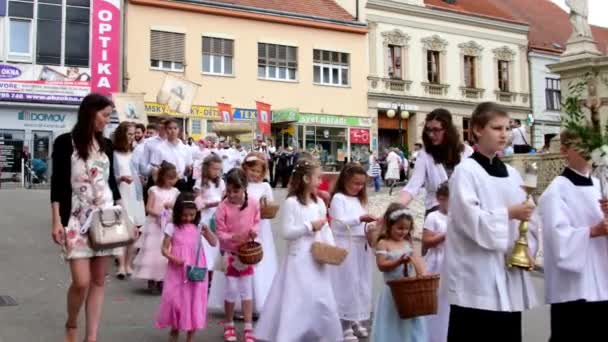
[483, 8]
[550, 25]
[327, 9]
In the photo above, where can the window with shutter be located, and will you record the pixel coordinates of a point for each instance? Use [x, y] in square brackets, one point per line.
[277, 62]
[330, 67]
[433, 66]
[167, 50]
[218, 56]
[503, 76]
[469, 71]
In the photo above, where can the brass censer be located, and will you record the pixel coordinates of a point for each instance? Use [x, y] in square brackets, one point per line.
[520, 256]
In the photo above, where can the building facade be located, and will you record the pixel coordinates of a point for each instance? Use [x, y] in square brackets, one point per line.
[425, 56]
[306, 60]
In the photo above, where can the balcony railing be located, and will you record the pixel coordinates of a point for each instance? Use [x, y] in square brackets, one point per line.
[437, 89]
[472, 93]
[390, 85]
[505, 96]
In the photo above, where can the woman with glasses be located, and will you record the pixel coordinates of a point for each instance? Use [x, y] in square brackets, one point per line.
[443, 150]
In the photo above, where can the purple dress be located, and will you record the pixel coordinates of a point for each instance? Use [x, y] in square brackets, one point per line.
[183, 305]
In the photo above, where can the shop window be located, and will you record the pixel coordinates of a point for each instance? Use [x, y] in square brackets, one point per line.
[433, 66]
[328, 144]
[395, 62]
[330, 67]
[277, 62]
[553, 94]
[167, 50]
[503, 76]
[218, 56]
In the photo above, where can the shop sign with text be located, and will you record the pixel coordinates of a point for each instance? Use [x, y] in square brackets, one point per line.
[105, 46]
[359, 136]
[333, 120]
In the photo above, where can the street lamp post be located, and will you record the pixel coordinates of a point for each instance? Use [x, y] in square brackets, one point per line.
[401, 115]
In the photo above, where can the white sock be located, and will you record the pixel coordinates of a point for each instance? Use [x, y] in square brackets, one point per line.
[229, 324]
[248, 326]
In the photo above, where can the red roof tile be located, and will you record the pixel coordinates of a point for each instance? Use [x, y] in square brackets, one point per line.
[549, 25]
[481, 8]
[328, 9]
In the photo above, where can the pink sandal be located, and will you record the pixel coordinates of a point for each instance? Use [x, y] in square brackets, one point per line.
[249, 337]
[229, 334]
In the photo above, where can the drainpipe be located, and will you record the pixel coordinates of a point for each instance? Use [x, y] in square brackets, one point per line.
[357, 10]
[123, 47]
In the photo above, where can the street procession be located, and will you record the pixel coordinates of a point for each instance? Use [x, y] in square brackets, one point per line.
[383, 171]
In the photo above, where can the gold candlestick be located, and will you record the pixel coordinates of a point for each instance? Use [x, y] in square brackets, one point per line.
[520, 256]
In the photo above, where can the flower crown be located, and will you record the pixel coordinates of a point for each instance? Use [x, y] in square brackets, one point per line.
[251, 159]
[398, 213]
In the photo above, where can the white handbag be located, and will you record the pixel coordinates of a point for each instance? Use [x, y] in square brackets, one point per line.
[110, 228]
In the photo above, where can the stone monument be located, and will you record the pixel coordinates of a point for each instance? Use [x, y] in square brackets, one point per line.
[581, 43]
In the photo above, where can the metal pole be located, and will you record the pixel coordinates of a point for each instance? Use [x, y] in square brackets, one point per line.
[22, 173]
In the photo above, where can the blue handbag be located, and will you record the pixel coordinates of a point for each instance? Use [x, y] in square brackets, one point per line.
[195, 273]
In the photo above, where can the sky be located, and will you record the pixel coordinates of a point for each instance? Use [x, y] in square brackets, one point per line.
[598, 11]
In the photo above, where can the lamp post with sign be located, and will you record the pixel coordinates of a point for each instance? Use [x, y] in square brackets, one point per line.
[401, 116]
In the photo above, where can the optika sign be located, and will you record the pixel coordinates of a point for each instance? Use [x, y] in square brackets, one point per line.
[105, 54]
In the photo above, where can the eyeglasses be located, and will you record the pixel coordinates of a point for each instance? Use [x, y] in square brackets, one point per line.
[433, 130]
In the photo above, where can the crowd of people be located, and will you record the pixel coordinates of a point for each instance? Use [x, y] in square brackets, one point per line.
[195, 205]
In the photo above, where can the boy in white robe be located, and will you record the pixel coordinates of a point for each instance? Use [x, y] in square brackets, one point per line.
[486, 205]
[575, 230]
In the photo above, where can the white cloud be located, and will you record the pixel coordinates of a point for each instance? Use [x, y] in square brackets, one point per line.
[597, 11]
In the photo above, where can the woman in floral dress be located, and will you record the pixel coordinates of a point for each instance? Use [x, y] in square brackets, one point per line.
[82, 181]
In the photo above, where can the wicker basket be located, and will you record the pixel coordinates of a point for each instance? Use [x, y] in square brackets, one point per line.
[324, 253]
[250, 253]
[268, 210]
[415, 296]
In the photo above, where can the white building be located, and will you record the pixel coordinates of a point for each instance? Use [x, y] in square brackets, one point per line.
[431, 54]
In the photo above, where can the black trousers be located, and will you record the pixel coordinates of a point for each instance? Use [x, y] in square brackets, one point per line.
[474, 325]
[578, 321]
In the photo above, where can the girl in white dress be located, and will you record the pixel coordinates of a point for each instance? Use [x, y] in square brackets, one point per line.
[433, 238]
[131, 191]
[352, 280]
[210, 188]
[442, 151]
[301, 305]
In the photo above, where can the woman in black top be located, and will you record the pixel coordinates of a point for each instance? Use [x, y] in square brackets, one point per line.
[83, 180]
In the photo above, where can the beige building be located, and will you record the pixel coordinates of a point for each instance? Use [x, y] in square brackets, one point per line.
[427, 54]
[306, 59]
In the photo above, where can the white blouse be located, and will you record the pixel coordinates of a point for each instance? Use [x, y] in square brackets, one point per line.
[575, 263]
[431, 175]
[437, 223]
[297, 225]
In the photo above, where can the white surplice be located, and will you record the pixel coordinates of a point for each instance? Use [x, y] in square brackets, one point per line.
[437, 223]
[575, 263]
[480, 239]
[301, 305]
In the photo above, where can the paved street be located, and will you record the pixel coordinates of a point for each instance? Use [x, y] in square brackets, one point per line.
[32, 272]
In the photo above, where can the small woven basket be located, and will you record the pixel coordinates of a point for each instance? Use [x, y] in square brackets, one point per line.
[324, 253]
[250, 253]
[416, 296]
[268, 210]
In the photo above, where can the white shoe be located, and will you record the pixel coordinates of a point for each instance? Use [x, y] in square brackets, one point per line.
[349, 336]
[360, 331]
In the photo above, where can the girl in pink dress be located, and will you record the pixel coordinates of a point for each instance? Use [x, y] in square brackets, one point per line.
[149, 262]
[183, 306]
[237, 220]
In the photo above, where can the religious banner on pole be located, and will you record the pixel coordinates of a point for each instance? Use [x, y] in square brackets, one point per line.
[130, 107]
[225, 111]
[177, 93]
[263, 117]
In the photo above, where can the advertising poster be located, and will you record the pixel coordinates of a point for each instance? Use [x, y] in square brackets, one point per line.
[130, 107]
[177, 93]
[43, 84]
[105, 46]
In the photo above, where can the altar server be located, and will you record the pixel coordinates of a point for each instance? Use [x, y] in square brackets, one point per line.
[486, 206]
[576, 249]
